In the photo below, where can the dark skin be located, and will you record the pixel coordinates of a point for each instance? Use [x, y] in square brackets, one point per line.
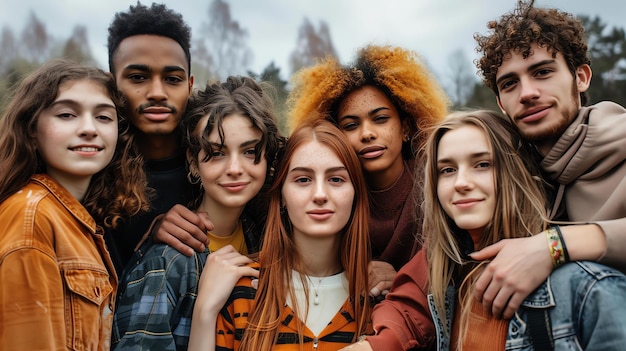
[153, 74]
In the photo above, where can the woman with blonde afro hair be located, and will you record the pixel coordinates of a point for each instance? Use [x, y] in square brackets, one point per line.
[382, 101]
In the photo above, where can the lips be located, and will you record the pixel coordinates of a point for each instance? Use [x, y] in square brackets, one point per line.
[320, 214]
[235, 187]
[465, 203]
[370, 152]
[86, 148]
[534, 114]
[155, 113]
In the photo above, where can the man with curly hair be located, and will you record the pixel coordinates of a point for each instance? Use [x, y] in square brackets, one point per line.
[150, 58]
[535, 61]
[383, 102]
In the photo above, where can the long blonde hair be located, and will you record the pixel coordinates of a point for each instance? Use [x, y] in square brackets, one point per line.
[520, 208]
[279, 254]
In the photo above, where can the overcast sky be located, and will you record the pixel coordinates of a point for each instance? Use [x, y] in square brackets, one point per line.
[433, 28]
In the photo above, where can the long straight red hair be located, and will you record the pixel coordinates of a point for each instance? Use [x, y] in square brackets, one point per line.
[279, 255]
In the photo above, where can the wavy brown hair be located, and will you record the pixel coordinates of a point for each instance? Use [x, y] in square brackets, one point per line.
[237, 95]
[117, 191]
[279, 255]
[520, 208]
[554, 30]
[401, 74]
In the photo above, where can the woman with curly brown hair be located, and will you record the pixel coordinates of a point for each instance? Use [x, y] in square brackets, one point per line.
[381, 102]
[66, 168]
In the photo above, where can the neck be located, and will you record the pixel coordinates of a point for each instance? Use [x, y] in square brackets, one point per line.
[155, 147]
[476, 235]
[76, 186]
[320, 256]
[384, 179]
[224, 219]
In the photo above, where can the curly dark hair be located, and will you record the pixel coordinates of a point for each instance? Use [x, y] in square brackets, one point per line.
[155, 20]
[401, 74]
[237, 95]
[555, 30]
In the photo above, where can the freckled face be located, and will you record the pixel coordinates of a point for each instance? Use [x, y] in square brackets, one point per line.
[374, 128]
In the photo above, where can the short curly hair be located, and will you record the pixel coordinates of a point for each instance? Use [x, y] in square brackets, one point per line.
[318, 90]
[555, 30]
[154, 20]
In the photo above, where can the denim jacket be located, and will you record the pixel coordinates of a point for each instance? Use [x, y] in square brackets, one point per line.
[586, 303]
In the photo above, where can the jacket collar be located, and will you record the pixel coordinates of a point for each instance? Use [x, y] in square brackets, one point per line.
[66, 199]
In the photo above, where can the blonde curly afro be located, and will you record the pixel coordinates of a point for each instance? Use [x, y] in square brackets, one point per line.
[318, 90]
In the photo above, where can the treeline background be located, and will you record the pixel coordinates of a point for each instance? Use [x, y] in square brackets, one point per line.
[220, 47]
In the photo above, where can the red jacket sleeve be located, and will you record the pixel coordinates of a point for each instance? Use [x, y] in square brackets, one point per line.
[403, 321]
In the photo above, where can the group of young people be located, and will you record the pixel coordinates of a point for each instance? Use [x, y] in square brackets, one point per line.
[140, 214]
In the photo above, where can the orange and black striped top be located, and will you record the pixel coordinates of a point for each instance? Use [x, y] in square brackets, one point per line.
[232, 321]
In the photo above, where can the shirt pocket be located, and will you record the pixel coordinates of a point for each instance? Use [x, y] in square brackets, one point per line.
[86, 307]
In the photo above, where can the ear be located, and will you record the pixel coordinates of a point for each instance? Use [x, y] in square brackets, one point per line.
[500, 106]
[583, 77]
[192, 161]
[190, 83]
[406, 129]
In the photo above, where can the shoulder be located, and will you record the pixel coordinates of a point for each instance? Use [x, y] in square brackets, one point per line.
[161, 260]
[28, 217]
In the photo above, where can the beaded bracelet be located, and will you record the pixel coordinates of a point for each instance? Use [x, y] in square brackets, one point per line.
[555, 245]
[565, 253]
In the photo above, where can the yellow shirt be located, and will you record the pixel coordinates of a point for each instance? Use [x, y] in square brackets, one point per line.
[236, 239]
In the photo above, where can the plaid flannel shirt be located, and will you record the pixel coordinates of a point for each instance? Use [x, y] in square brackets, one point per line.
[157, 294]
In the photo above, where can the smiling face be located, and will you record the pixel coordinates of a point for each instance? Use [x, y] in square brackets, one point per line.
[230, 178]
[77, 134]
[466, 180]
[540, 94]
[151, 71]
[373, 126]
[317, 193]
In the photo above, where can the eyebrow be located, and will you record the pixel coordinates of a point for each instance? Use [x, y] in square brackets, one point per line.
[310, 170]
[146, 68]
[76, 103]
[532, 67]
[370, 113]
[244, 144]
[474, 155]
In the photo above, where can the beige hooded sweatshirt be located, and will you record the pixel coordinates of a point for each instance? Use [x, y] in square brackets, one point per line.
[589, 163]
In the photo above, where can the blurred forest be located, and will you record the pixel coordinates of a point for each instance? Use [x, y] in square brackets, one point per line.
[223, 47]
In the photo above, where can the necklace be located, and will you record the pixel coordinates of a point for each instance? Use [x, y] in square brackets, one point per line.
[316, 289]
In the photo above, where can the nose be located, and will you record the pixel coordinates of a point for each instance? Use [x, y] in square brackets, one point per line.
[320, 196]
[234, 168]
[157, 91]
[528, 91]
[463, 180]
[87, 126]
[367, 132]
